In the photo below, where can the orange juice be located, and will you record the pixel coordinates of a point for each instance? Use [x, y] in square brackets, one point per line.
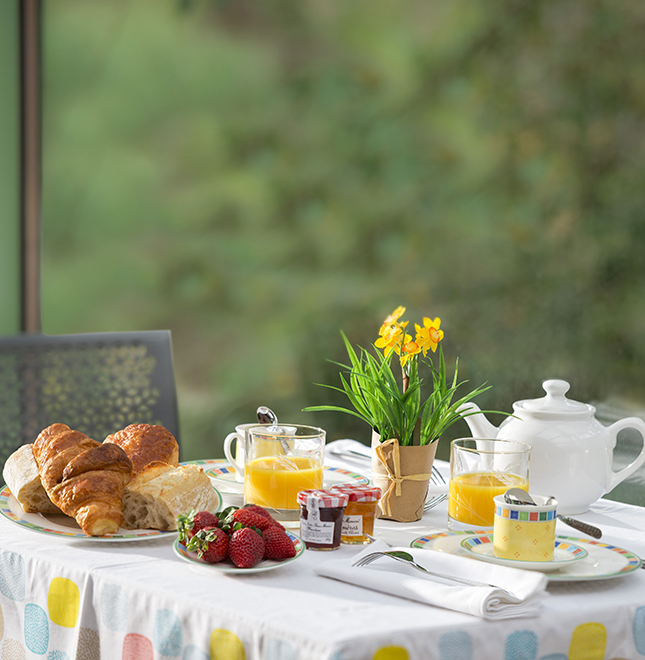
[471, 495]
[274, 481]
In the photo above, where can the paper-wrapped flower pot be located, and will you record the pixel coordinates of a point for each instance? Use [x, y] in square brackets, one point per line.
[402, 474]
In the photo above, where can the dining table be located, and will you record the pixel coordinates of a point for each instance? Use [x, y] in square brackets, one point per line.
[65, 596]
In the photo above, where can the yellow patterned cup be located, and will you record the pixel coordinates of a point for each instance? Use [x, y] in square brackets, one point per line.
[524, 532]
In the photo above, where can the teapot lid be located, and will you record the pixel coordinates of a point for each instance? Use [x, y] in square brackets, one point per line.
[556, 402]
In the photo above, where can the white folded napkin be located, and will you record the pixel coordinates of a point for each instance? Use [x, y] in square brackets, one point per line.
[526, 588]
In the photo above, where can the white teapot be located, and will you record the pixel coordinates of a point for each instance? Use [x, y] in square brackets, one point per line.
[572, 453]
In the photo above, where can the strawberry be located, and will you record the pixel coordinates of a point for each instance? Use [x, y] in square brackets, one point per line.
[277, 545]
[250, 518]
[190, 523]
[246, 547]
[258, 509]
[211, 544]
[204, 519]
[263, 512]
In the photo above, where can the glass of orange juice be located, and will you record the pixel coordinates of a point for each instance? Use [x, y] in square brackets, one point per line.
[480, 469]
[279, 462]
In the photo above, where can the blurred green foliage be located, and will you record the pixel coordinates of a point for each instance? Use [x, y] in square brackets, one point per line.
[257, 176]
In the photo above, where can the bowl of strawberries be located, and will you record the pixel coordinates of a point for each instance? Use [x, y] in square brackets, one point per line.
[236, 540]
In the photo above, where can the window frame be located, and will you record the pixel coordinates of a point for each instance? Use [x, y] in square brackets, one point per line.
[21, 166]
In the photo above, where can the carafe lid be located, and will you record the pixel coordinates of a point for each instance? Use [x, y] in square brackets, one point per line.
[555, 402]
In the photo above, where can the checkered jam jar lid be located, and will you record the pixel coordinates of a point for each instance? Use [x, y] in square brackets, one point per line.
[326, 499]
[359, 493]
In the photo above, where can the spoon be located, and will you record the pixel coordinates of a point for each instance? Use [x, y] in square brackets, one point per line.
[519, 496]
[267, 416]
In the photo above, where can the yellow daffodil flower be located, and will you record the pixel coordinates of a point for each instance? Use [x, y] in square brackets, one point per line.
[429, 336]
[391, 337]
[395, 316]
[402, 343]
[393, 321]
[387, 330]
[409, 350]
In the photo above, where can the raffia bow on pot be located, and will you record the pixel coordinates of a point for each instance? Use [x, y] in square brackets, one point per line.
[402, 474]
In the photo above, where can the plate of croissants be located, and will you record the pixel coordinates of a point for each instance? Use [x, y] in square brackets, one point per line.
[129, 487]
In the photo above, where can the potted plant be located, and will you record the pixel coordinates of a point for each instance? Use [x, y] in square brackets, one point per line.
[406, 423]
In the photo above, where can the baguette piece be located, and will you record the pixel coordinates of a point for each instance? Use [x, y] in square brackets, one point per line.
[21, 475]
[84, 478]
[157, 495]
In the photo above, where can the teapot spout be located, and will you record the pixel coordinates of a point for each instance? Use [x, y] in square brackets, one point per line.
[479, 426]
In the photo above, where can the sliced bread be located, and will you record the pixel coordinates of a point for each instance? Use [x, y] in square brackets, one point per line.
[159, 493]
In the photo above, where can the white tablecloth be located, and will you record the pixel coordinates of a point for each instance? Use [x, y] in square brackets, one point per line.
[64, 599]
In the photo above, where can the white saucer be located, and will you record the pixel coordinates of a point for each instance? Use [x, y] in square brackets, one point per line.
[481, 545]
[603, 561]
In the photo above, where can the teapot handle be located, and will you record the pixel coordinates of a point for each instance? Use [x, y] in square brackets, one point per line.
[637, 424]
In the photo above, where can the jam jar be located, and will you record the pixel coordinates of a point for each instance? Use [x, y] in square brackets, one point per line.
[321, 518]
[360, 512]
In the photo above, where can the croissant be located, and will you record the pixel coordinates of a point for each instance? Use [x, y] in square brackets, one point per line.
[145, 444]
[84, 478]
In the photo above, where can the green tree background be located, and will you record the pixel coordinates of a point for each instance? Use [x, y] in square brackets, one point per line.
[257, 176]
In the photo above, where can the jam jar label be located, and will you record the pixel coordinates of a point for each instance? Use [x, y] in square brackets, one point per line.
[352, 526]
[317, 532]
[314, 530]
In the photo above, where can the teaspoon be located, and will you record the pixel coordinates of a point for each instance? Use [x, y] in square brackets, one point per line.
[519, 496]
[267, 416]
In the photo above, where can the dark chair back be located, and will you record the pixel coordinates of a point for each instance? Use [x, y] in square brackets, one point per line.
[96, 383]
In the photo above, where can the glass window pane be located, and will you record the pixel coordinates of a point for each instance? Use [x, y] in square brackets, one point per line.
[258, 176]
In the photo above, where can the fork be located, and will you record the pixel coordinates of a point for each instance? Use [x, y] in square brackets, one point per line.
[406, 558]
